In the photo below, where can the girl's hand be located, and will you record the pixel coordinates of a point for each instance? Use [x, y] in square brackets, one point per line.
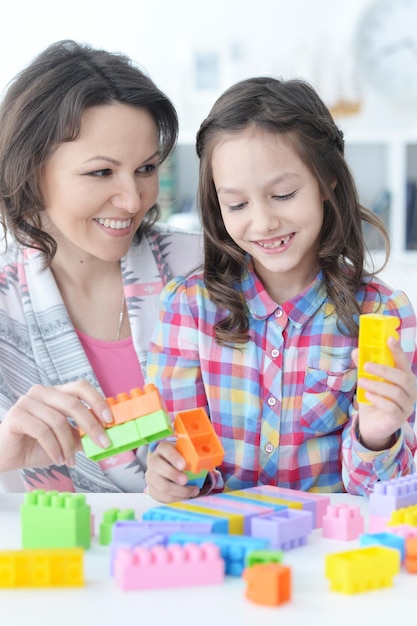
[36, 431]
[392, 400]
[165, 478]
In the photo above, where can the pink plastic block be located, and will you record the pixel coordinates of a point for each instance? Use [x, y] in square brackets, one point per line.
[377, 524]
[319, 501]
[168, 566]
[343, 522]
[404, 530]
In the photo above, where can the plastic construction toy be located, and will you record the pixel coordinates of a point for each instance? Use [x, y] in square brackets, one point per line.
[168, 513]
[50, 519]
[234, 549]
[285, 529]
[363, 569]
[389, 496]
[138, 419]
[384, 539]
[410, 560]
[42, 568]
[171, 566]
[268, 584]
[343, 522]
[197, 441]
[374, 331]
[407, 515]
[110, 517]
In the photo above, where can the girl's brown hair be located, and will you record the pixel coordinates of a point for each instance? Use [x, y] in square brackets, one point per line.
[293, 109]
[42, 109]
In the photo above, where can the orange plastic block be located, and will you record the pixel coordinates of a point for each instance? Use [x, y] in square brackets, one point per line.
[197, 441]
[374, 331]
[42, 568]
[127, 407]
[268, 583]
[410, 561]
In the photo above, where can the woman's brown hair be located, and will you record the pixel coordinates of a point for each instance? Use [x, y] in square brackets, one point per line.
[293, 109]
[42, 109]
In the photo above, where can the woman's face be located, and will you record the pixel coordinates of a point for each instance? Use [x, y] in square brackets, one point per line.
[98, 188]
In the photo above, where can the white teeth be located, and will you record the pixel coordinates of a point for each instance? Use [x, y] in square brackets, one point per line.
[117, 224]
[275, 244]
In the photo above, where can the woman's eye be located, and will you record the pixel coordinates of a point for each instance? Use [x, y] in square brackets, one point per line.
[100, 173]
[149, 168]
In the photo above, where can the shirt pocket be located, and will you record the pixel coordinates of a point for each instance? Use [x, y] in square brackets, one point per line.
[326, 400]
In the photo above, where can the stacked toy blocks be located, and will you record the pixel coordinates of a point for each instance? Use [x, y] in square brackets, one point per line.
[363, 569]
[50, 519]
[233, 511]
[389, 496]
[170, 566]
[198, 444]
[42, 568]
[374, 331]
[343, 522]
[138, 419]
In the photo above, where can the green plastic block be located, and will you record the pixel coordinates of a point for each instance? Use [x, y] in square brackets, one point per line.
[155, 426]
[110, 517]
[123, 437]
[264, 556]
[50, 519]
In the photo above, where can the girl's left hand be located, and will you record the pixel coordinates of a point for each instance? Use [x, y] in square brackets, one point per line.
[392, 399]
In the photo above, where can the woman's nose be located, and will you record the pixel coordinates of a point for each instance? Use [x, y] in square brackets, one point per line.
[128, 197]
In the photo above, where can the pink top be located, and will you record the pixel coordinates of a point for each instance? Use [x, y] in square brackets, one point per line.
[114, 363]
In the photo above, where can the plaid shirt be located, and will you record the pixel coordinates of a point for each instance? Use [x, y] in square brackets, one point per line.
[282, 404]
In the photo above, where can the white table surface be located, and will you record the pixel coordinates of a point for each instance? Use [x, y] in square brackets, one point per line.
[101, 603]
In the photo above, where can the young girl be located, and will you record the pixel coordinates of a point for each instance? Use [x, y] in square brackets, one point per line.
[264, 338]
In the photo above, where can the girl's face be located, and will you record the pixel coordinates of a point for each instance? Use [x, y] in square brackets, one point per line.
[98, 188]
[271, 207]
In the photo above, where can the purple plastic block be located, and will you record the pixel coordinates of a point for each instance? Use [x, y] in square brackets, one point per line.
[390, 495]
[315, 502]
[285, 529]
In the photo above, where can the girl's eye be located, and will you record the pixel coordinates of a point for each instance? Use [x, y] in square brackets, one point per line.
[148, 169]
[237, 207]
[286, 196]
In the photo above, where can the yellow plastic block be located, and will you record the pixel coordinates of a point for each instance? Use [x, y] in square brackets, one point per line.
[236, 521]
[363, 569]
[374, 331]
[42, 568]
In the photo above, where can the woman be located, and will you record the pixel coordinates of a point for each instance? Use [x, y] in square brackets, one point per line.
[82, 135]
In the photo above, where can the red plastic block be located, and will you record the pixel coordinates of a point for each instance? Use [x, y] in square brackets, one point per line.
[168, 566]
[343, 522]
[268, 584]
[197, 441]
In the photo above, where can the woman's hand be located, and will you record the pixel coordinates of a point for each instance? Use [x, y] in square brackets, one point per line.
[392, 399]
[165, 478]
[36, 431]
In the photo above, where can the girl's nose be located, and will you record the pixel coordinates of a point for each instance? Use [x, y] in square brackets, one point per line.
[265, 219]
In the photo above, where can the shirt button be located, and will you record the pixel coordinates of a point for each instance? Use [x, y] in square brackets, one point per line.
[278, 313]
[269, 448]
[272, 401]
[275, 353]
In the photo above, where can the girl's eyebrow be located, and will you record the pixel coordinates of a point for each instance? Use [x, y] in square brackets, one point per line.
[274, 181]
[101, 157]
